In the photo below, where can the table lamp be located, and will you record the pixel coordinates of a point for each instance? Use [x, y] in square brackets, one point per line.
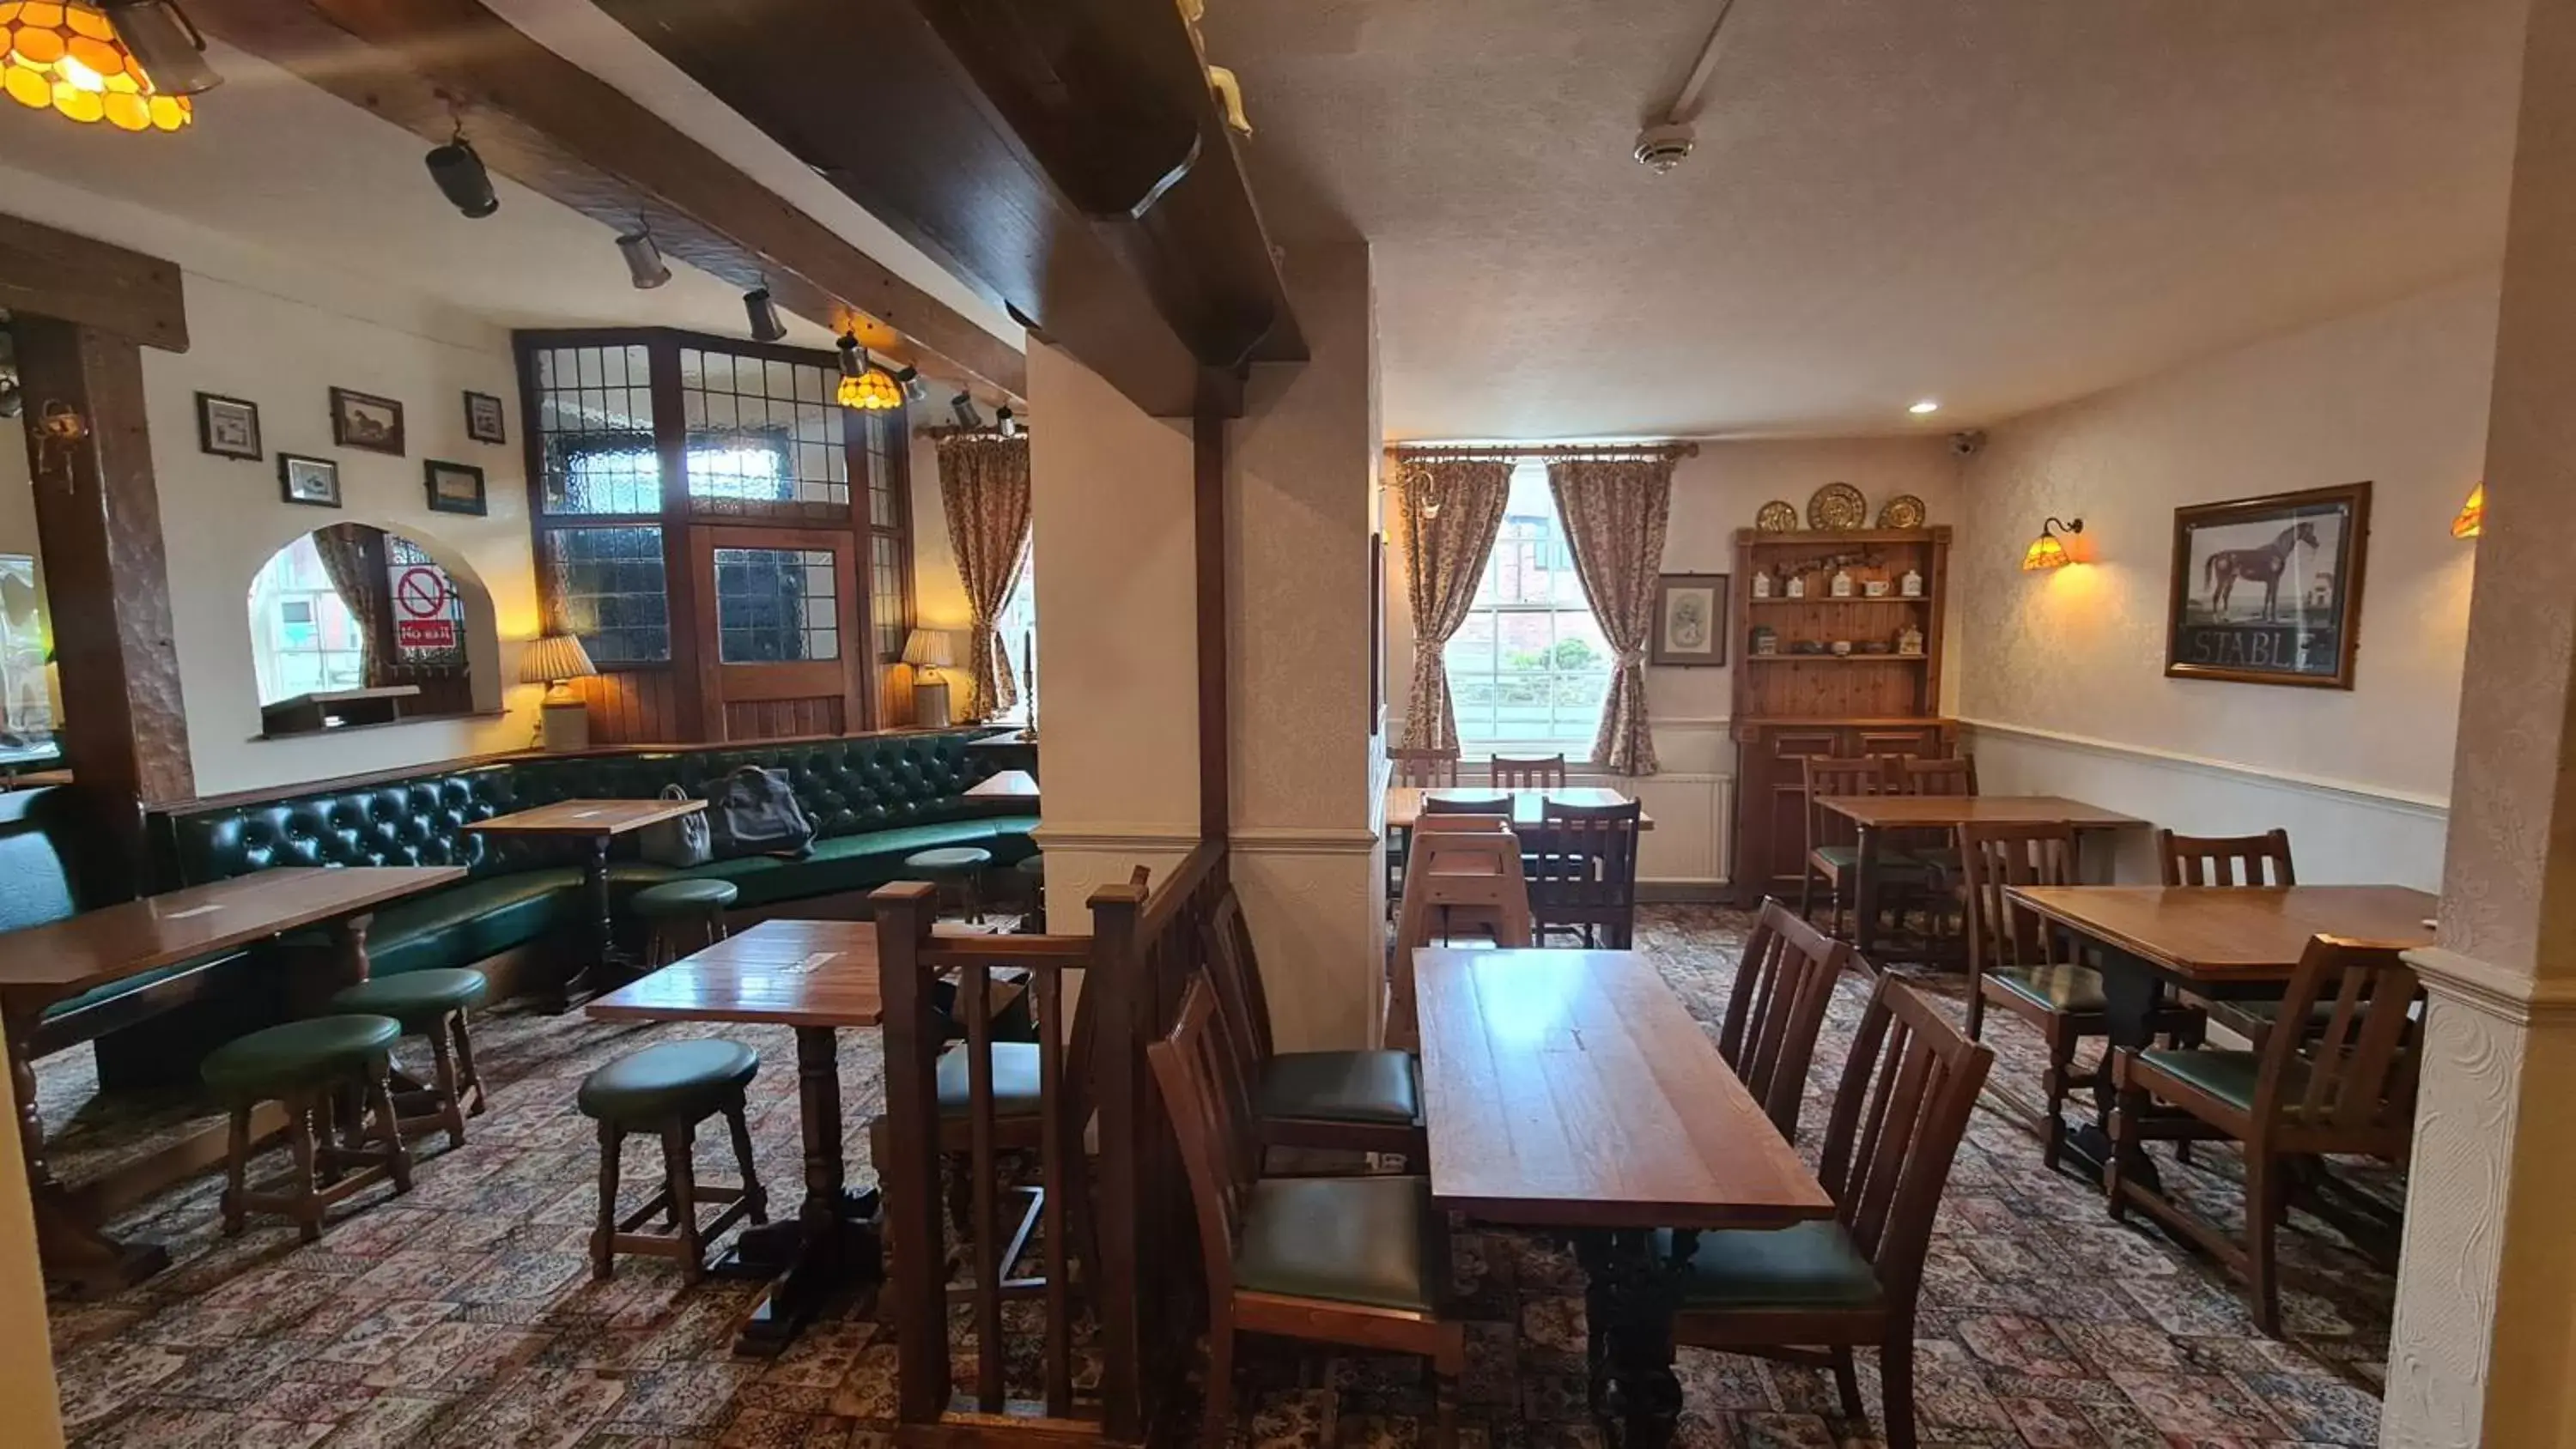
[928, 651]
[554, 661]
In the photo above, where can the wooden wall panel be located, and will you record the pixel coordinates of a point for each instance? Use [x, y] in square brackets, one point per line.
[633, 707]
[780, 719]
[894, 695]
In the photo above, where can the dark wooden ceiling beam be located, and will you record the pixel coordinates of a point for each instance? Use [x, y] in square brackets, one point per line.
[81, 279]
[560, 131]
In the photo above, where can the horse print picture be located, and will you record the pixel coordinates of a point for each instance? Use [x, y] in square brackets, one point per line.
[2268, 590]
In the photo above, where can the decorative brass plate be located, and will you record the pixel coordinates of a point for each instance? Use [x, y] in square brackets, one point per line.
[1777, 516]
[1902, 511]
[1837, 507]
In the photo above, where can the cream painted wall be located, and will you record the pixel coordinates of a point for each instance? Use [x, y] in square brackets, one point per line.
[2063, 674]
[938, 595]
[1715, 494]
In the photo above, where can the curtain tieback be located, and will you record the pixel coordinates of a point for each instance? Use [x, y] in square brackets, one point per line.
[1630, 658]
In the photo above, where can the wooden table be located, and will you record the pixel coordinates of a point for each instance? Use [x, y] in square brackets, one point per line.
[2213, 941]
[1872, 815]
[599, 822]
[42, 965]
[1529, 807]
[1570, 1090]
[817, 977]
[1008, 785]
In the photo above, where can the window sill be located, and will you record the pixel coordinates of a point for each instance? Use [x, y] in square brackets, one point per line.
[390, 724]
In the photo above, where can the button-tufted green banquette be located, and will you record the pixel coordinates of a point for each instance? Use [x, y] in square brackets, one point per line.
[873, 799]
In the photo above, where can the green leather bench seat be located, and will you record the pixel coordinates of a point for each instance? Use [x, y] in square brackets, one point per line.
[101, 995]
[842, 863]
[1345, 1239]
[466, 923]
[1808, 1265]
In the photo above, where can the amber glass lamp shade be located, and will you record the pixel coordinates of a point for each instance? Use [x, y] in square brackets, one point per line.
[871, 390]
[65, 57]
[2473, 514]
[2045, 552]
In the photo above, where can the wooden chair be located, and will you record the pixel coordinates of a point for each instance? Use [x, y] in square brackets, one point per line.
[1773, 1015]
[1833, 851]
[1937, 850]
[2012, 959]
[1850, 1282]
[2349, 1088]
[1466, 805]
[1362, 1261]
[1955, 776]
[1428, 769]
[1582, 871]
[1360, 1101]
[1465, 870]
[1528, 772]
[2240, 861]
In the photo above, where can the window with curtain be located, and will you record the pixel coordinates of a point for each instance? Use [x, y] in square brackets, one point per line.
[1018, 627]
[303, 638]
[1529, 668]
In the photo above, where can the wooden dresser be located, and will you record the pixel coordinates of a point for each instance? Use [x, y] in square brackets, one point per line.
[1789, 705]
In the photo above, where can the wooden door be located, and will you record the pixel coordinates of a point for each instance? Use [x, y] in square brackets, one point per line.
[780, 650]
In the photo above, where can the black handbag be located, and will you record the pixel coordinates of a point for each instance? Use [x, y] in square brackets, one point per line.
[755, 812]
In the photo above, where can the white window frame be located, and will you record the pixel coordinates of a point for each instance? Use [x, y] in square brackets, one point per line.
[1576, 726]
[1019, 621]
[274, 589]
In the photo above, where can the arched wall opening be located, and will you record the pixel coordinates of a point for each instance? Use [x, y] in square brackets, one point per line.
[355, 609]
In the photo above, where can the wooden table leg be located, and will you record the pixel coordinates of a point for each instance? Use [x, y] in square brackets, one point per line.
[72, 1247]
[1632, 1294]
[2131, 992]
[832, 1243]
[583, 977]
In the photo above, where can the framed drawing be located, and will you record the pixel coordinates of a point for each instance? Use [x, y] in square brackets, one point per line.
[309, 480]
[2268, 590]
[363, 420]
[228, 427]
[1690, 621]
[454, 488]
[485, 422]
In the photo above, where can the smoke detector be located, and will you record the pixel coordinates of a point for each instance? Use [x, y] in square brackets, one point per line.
[1661, 148]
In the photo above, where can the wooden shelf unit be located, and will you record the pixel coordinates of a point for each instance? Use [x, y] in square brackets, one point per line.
[1791, 706]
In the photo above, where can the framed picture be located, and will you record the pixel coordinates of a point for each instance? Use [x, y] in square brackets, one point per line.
[485, 419]
[1690, 621]
[363, 420]
[309, 480]
[228, 427]
[2268, 590]
[454, 488]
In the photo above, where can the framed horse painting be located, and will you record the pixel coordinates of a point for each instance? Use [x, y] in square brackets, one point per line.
[2268, 590]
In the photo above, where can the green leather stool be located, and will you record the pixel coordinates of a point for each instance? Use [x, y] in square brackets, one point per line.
[1032, 874]
[959, 865]
[667, 1089]
[430, 1004]
[321, 1070]
[682, 911]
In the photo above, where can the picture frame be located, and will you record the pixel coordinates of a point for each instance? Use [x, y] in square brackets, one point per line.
[228, 427]
[454, 488]
[367, 422]
[2268, 590]
[312, 481]
[1690, 621]
[486, 418]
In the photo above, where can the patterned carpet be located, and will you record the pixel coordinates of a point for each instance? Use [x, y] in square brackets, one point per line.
[463, 1314]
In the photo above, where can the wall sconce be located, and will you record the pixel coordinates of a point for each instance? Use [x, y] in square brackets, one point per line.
[2473, 514]
[2048, 551]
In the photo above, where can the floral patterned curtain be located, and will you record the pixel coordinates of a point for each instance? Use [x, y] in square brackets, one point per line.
[357, 575]
[984, 490]
[1448, 511]
[1614, 512]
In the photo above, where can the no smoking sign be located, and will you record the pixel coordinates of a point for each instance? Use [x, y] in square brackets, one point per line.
[422, 616]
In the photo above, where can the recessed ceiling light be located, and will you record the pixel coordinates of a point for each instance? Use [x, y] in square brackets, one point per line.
[1928, 405]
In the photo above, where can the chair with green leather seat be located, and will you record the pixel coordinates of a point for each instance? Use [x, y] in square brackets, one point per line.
[326, 1070]
[1833, 843]
[680, 913]
[667, 1089]
[432, 1005]
[1357, 1101]
[1353, 1260]
[2233, 862]
[2345, 1089]
[1852, 1281]
[2013, 961]
[1784, 981]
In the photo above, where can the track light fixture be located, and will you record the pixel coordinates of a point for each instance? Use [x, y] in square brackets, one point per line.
[766, 325]
[461, 177]
[644, 264]
[962, 408]
[1006, 424]
[166, 43]
[914, 389]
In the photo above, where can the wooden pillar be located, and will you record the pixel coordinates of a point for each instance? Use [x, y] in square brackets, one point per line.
[98, 519]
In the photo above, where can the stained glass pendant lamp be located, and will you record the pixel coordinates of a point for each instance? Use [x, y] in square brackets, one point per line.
[2047, 551]
[864, 385]
[70, 58]
[2473, 514]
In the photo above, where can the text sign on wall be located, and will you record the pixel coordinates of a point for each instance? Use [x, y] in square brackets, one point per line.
[422, 617]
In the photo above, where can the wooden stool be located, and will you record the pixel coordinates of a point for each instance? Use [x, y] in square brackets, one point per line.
[667, 1089]
[682, 911]
[319, 1069]
[430, 1004]
[961, 866]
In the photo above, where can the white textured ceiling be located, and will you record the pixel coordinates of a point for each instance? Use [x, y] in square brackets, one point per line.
[1998, 203]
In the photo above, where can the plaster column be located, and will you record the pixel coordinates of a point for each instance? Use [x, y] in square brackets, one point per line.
[2485, 1332]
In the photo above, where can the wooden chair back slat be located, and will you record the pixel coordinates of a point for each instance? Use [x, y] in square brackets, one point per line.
[2357, 1074]
[1776, 1009]
[1581, 865]
[1463, 805]
[1908, 1086]
[1189, 1067]
[2226, 860]
[1236, 972]
[1827, 776]
[1954, 776]
[1427, 769]
[1992, 859]
[1528, 772]
[1466, 871]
